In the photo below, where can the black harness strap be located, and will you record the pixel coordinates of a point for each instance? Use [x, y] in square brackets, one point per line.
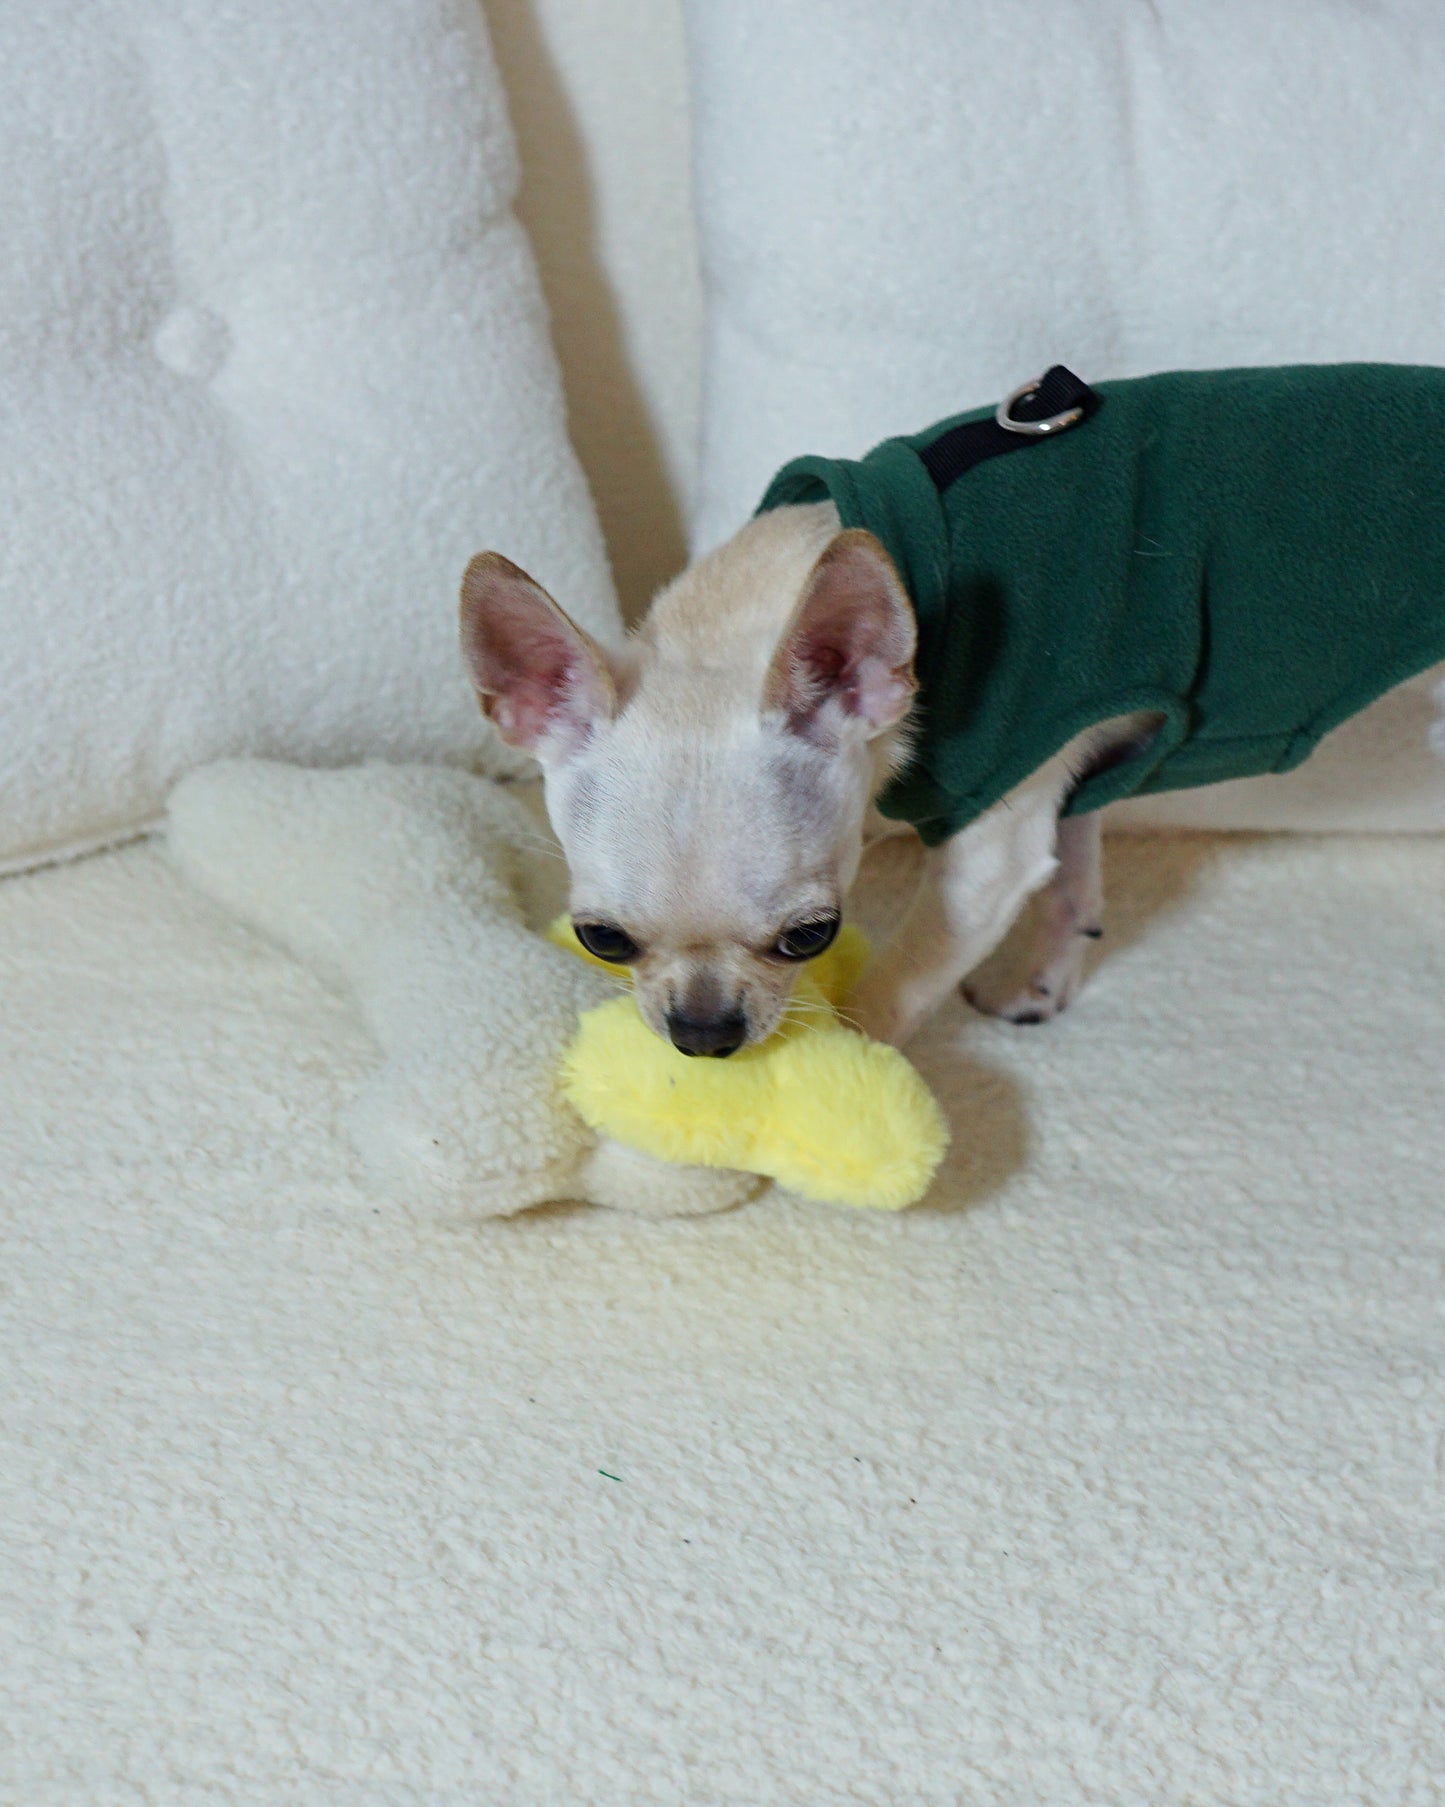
[961, 448]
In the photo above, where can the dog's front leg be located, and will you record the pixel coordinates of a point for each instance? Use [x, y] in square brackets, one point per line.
[1066, 921]
[973, 887]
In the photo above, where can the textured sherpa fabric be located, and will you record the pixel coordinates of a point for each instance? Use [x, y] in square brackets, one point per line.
[908, 210]
[1113, 1476]
[1253, 555]
[273, 365]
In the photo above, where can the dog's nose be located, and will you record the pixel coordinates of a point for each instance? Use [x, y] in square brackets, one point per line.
[718, 1036]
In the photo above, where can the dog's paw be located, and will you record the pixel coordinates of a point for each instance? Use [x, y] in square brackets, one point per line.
[1046, 993]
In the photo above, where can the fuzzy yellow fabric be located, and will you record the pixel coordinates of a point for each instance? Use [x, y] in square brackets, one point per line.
[818, 1108]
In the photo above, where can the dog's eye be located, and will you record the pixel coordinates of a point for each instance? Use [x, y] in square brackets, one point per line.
[606, 941]
[806, 940]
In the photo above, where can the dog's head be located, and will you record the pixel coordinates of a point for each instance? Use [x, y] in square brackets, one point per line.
[709, 781]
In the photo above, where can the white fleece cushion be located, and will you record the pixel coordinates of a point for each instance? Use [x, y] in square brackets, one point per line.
[1112, 1478]
[273, 364]
[907, 210]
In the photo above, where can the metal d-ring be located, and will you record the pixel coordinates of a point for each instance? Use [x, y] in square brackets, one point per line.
[1033, 429]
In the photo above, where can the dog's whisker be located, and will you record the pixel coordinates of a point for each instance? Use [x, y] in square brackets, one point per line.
[539, 844]
[810, 1013]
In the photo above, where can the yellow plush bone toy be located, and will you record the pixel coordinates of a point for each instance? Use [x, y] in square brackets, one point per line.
[823, 1111]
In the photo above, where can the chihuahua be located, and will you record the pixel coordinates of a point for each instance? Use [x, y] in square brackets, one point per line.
[711, 782]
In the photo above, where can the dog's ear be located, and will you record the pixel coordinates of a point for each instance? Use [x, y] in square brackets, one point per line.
[848, 650]
[544, 683]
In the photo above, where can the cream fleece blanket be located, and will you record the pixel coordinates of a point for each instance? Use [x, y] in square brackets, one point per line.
[1114, 1475]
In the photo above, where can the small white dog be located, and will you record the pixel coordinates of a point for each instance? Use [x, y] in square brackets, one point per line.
[711, 782]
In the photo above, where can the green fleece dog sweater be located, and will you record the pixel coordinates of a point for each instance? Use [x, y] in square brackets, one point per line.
[1255, 554]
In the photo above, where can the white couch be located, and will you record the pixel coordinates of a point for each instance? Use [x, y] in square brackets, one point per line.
[1109, 1475]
